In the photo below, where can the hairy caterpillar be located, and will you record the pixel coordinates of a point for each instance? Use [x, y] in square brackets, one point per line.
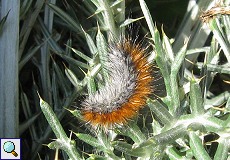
[127, 89]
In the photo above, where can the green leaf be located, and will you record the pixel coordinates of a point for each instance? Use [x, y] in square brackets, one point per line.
[160, 111]
[148, 17]
[218, 34]
[73, 61]
[134, 132]
[162, 63]
[168, 47]
[176, 65]
[82, 55]
[65, 17]
[73, 79]
[127, 149]
[174, 154]
[170, 135]
[89, 140]
[2, 22]
[129, 21]
[222, 151]
[197, 50]
[63, 81]
[53, 120]
[28, 56]
[157, 152]
[25, 7]
[196, 100]
[62, 142]
[102, 52]
[54, 145]
[109, 20]
[96, 157]
[76, 113]
[91, 44]
[197, 147]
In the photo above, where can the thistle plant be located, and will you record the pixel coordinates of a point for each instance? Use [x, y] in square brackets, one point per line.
[191, 122]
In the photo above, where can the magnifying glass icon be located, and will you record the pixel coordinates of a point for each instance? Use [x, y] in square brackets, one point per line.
[9, 147]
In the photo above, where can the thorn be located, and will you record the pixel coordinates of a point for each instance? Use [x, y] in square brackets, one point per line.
[39, 95]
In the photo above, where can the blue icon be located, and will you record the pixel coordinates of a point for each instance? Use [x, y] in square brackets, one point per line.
[9, 147]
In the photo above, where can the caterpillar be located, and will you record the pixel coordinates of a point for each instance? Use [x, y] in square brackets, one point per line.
[128, 87]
